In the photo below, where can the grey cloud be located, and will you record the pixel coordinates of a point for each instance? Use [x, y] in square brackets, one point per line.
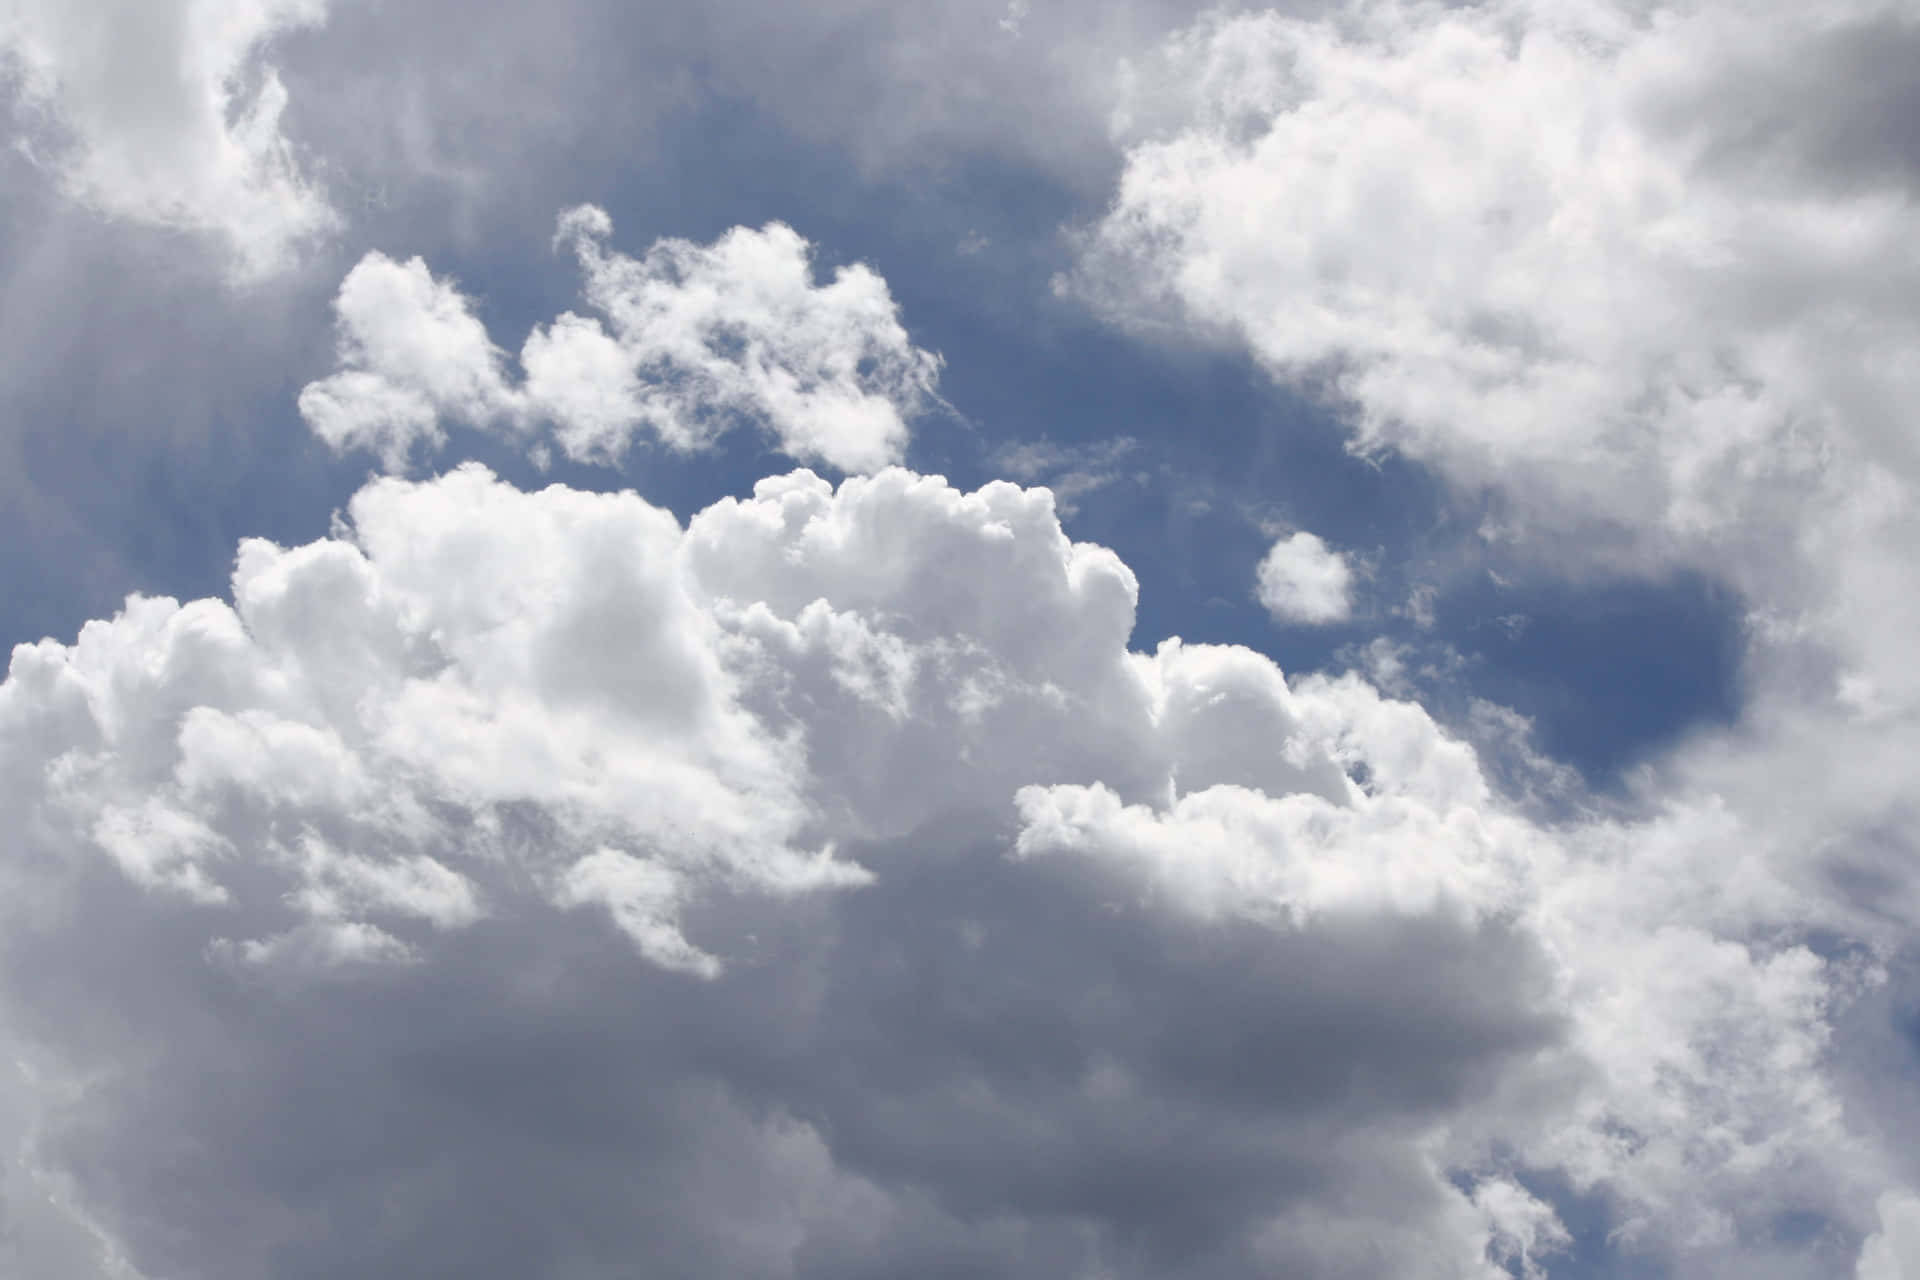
[1837, 108]
[873, 1091]
[524, 880]
[908, 91]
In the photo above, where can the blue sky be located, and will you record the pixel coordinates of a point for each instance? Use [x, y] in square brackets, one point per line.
[637, 858]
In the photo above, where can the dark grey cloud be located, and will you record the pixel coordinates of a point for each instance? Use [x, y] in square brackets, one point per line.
[976, 1068]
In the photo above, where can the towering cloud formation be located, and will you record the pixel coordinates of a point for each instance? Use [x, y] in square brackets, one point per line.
[522, 883]
[703, 338]
[824, 888]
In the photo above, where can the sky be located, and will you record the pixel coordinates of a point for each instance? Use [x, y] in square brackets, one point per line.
[1055, 639]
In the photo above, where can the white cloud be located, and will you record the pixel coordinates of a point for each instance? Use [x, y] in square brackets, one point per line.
[1586, 258]
[1639, 300]
[1525, 1228]
[1893, 1252]
[414, 352]
[1271, 954]
[165, 112]
[1648, 311]
[329, 759]
[1303, 580]
[696, 340]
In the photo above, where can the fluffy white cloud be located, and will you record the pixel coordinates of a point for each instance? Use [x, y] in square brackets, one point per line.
[321, 728]
[696, 340]
[1596, 299]
[1648, 312]
[165, 112]
[1651, 309]
[298, 926]
[414, 351]
[1301, 579]
[1642, 274]
[732, 329]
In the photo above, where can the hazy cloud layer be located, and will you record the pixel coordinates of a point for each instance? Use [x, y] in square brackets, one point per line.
[167, 113]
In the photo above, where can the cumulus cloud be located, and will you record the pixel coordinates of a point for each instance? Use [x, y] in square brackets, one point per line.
[519, 883]
[1583, 258]
[1303, 580]
[695, 340]
[825, 888]
[1642, 310]
[275, 754]
[414, 352]
[167, 114]
[1655, 323]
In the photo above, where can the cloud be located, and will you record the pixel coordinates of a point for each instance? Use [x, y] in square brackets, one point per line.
[407, 108]
[825, 888]
[167, 114]
[696, 340]
[1893, 1252]
[1071, 472]
[511, 882]
[414, 352]
[1303, 580]
[1606, 311]
[324, 767]
[1584, 262]
[1594, 304]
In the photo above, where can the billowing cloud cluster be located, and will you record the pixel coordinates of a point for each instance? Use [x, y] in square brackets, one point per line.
[525, 883]
[702, 338]
[522, 880]
[1653, 302]
[163, 111]
[1644, 276]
